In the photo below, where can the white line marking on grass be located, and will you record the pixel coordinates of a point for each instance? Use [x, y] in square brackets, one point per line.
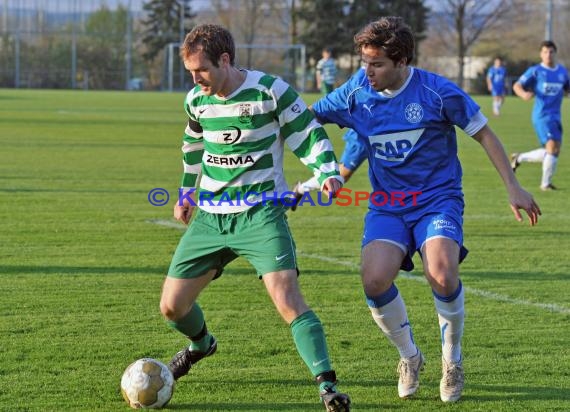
[483, 293]
[551, 307]
[168, 223]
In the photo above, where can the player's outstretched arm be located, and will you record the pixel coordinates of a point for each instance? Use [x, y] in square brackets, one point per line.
[518, 197]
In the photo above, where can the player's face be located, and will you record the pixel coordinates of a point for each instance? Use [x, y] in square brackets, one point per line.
[382, 72]
[548, 56]
[210, 78]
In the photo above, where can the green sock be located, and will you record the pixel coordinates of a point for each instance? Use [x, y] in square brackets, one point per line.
[201, 344]
[311, 344]
[191, 325]
[327, 385]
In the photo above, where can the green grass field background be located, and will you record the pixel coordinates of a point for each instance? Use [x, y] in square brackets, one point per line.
[82, 263]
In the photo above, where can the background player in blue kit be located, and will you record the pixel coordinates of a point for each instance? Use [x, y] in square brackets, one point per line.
[496, 83]
[547, 82]
[352, 157]
[406, 118]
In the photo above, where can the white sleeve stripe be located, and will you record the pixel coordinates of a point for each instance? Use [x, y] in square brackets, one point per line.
[477, 122]
[296, 139]
[194, 169]
[318, 148]
[192, 147]
[328, 168]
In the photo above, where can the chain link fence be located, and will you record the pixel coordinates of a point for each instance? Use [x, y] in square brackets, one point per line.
[98, 44]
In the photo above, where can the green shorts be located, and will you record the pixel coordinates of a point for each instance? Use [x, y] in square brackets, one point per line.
[260, 234]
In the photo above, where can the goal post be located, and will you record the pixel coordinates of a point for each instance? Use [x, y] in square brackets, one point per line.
[288, 61]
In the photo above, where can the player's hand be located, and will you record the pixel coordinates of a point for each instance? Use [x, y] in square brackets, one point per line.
[527, 96]
[521, 199]
[331, 186]
[183, 212]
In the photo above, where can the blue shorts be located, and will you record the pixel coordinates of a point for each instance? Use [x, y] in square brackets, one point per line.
[443, 218]
[354, 154]
[546, 130]
[498, 90]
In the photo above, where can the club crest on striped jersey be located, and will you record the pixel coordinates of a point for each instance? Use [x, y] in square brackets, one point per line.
[245, 113]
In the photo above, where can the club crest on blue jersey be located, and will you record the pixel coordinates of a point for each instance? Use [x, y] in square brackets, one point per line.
[395, 147]
[414, 112]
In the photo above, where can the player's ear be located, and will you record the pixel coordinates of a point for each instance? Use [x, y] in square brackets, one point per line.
[225, 59]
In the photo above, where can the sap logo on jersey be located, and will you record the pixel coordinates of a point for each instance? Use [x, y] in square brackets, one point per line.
[229, 160]
[552, 89]
[394, 147]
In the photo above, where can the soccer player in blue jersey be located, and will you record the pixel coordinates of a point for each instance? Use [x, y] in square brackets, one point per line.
[352, 157]
[407, 118]
[547, 82]
[496, 83]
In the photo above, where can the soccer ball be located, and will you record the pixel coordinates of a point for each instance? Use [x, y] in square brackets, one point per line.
[147, 383]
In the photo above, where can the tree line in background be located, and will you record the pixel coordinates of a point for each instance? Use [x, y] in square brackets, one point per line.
[111, 46]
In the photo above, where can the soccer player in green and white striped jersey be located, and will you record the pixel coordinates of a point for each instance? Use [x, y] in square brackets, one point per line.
[239, 122]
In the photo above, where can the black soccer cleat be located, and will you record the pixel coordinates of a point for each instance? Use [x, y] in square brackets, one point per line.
[335, 401]
[183, 360]
[332, 400]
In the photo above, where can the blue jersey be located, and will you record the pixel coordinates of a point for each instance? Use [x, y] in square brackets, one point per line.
[355, 152]
[350, 136]
[548, 86]
[410, 135]
[497, 77]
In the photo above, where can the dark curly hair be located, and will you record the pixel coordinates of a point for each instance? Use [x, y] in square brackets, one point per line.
[390, 34]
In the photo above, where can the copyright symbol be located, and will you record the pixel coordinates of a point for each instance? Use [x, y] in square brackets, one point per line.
[158, 196]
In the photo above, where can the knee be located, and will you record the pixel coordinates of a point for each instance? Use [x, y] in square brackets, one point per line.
[552, 147]
[444, 284]
[170, 311]
[375, 284]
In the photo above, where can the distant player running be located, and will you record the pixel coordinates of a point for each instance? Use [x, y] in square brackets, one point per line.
[353, 156]
[239, 121]
[407, 119]
[547, 82]
[496, 83]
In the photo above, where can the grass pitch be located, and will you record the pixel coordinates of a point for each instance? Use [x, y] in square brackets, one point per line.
[82, 265]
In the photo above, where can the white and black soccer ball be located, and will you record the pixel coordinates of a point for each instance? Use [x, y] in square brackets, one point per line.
[147, 383]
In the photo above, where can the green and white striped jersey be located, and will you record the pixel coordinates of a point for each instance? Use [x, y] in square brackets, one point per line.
[234, 146]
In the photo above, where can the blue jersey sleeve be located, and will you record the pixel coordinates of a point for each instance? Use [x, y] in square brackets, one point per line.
[567, 82]
[336, 106]
[458, 107]
[528, 79]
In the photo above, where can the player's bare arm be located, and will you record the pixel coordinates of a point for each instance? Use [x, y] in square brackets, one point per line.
[518, 197]
[521, 92]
